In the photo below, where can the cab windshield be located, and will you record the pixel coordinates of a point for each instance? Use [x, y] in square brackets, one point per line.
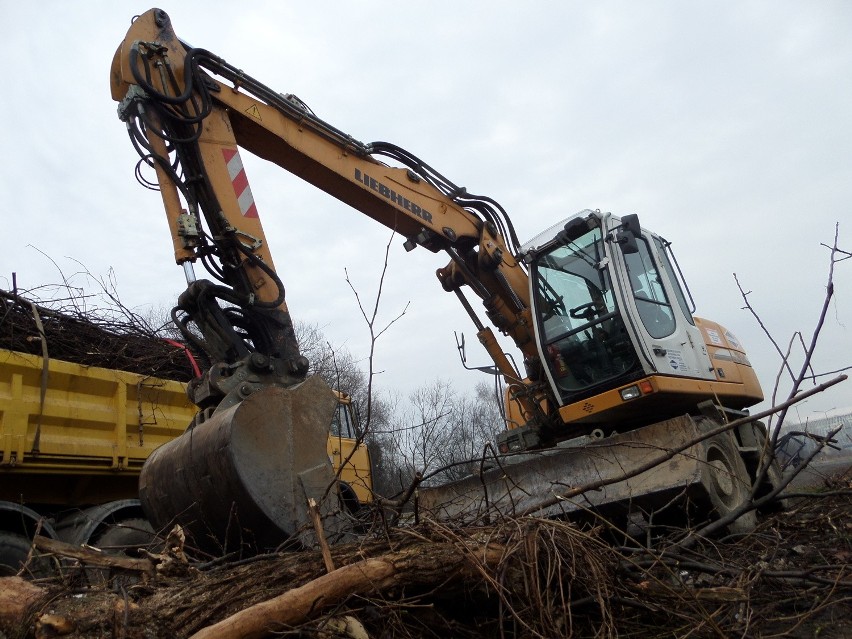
[584, 339]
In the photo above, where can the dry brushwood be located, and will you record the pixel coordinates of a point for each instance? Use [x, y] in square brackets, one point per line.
[526, 577]
[522, 575]
[110, 337]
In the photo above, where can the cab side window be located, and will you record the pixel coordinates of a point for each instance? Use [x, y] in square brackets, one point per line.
[651, 300]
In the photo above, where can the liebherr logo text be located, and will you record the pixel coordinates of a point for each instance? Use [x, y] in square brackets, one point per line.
[393, 196]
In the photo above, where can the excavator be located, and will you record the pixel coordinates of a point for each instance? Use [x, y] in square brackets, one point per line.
[614, 367]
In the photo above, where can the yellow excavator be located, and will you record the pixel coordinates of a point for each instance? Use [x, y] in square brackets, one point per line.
[615, 366]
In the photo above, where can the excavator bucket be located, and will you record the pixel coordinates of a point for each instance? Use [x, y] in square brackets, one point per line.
[243, 477]
[637, 471]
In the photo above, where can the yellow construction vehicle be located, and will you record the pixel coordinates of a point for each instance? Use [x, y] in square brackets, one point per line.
[73, 440]
[596, 305]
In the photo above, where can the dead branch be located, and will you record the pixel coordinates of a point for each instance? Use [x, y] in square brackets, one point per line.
[313, 510]
[370, 320]
[721, 522]
[92, 556]
[523, 576]
[764, 328]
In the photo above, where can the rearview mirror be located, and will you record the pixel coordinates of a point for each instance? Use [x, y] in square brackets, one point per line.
[628, 234]
[630, 223]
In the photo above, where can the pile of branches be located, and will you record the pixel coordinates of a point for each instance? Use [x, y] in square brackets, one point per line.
[108, 336]
[791, 577]
[522, 577]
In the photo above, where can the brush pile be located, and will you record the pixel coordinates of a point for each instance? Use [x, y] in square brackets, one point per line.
[523, 577]
[110, 336]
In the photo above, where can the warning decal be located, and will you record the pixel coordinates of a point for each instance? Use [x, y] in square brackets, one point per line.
[240, 182]
[732, 340]
[254, 112]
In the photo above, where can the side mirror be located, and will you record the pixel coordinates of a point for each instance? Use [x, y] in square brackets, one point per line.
[630, 223]
[629, 231]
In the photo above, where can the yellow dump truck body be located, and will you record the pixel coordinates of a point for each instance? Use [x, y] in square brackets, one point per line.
[82, 436]
[93, 426]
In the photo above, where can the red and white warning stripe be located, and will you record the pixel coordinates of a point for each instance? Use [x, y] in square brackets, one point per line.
[240, 182]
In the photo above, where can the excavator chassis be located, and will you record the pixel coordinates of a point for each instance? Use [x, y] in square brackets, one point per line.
[242, 478]
[707, 479]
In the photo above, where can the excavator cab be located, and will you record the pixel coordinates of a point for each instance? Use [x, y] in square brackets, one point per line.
[584, 338]
[613, 325]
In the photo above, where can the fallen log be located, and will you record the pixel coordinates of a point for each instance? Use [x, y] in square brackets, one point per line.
[92, 556]
[19, 600]
[443, 562]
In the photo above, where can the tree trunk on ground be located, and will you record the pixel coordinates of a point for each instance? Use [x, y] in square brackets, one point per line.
[18, 600]
[442, 563]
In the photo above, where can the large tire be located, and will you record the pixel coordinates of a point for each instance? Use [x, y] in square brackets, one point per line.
[127, 535]
[727, 481]
[348, 499]
[753, 438]
[13, 553]
[14, 550]
[124, 536]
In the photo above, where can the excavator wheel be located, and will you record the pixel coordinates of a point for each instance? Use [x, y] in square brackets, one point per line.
[241, 479]
[752, 439]
[726, 480]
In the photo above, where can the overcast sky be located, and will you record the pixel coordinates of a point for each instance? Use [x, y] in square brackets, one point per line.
[727, 126]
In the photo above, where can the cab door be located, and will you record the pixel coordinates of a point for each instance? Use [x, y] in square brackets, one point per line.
[650, 294]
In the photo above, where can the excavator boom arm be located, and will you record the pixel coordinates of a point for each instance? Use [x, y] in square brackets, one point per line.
[186, 102]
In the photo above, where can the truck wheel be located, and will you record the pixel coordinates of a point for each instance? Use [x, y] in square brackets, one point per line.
[127, 535]
[13, 553]
[348, 498]
[14, 550]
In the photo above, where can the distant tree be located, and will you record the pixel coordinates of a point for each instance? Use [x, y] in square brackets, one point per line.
[439, 428]
[336, 365]
[343, 371]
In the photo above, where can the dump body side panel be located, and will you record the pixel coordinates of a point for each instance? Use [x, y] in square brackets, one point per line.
[82, 437]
